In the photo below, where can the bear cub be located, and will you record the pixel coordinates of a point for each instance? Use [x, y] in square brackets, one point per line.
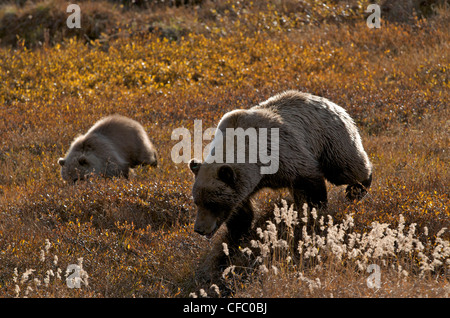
[110, 148]
[316, 140]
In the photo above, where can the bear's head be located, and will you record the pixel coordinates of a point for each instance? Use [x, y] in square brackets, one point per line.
[80, 162]
[216, 194]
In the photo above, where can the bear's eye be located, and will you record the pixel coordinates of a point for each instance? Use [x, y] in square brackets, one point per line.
[82, 161]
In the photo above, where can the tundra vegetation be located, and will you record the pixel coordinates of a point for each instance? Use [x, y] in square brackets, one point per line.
[168, 63]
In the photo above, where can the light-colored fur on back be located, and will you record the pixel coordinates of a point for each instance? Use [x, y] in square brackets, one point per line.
[322, 132]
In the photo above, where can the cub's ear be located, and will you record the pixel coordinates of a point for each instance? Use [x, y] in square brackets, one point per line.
[61, 161]
[194, 165]
[226, 174]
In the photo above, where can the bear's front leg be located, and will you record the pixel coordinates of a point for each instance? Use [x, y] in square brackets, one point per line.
[311, 191]
[240, 221]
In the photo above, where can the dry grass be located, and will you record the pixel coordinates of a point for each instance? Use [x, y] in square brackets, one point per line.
[135, 237]
[314, 257]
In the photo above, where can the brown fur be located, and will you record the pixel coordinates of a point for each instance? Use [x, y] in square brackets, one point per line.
[317, 140]
[110, 148]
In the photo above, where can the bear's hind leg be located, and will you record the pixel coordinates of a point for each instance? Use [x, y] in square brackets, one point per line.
[311, 191]
[240, 221]
[358, 190]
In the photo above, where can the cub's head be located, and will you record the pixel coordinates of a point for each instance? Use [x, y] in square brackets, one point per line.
[214, 194]
[80, 162]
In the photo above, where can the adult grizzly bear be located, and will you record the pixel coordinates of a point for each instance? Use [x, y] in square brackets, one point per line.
[110, 148]
[316, 139]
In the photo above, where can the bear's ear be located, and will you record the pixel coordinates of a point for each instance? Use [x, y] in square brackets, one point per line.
[61, 161]
[194, 165]
[226, 174]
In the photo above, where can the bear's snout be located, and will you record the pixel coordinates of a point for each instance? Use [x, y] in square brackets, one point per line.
[205, 223]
